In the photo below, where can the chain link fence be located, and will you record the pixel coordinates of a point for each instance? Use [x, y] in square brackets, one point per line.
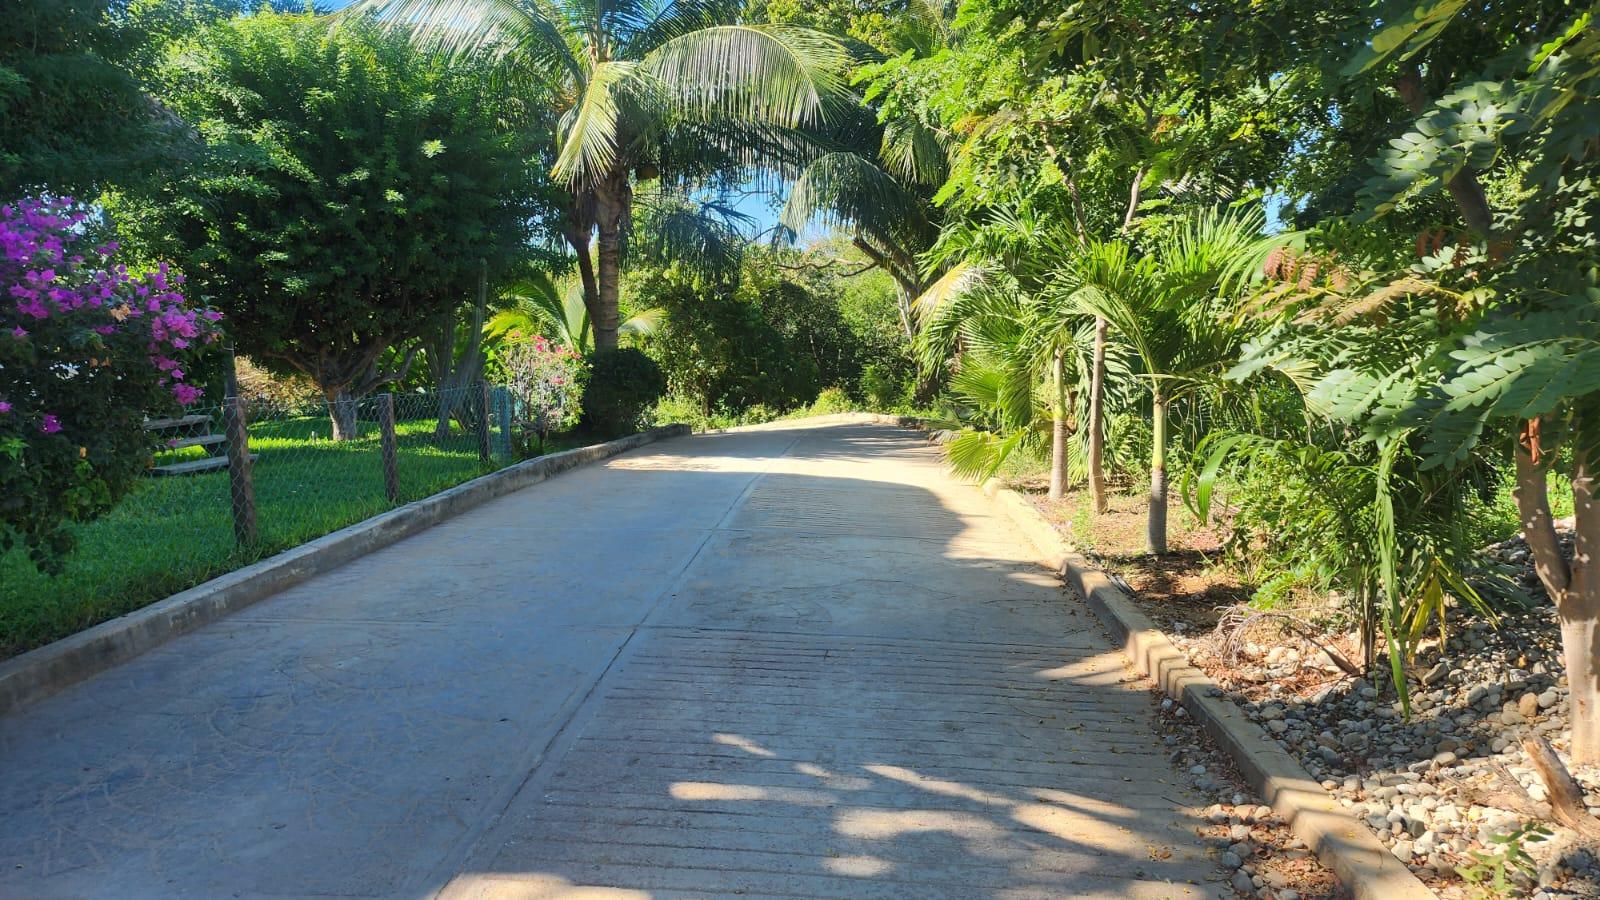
[233, 483]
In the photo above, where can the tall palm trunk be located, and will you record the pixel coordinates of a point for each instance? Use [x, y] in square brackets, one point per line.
[1097, 430]
[1058, 425]
[1574, 585]
[613, 205]
[1156, 522]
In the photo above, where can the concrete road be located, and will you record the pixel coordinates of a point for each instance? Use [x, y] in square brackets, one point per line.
[797, 661]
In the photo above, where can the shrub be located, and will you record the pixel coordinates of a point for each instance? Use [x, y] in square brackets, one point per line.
[623, 384]
[87, 352]
[547, 382]
[885, 387]
[832, 400]
[267, 394]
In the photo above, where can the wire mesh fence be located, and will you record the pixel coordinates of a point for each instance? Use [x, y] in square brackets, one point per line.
[232, 483]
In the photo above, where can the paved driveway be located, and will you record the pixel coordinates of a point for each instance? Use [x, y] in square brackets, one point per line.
[798, 661]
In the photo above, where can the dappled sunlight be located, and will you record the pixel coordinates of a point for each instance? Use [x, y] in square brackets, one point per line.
[882, 824]
[864, 686]
[938, 786]
[745, 744]
[534, 886]
[858, 866]
[715, 791]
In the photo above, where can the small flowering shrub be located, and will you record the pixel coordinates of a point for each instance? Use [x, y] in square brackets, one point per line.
[87, 351]
[546, 380]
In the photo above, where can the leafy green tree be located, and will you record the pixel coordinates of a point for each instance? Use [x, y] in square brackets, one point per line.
[74, 116]
[639, 91]
[1504, 315]
[348, 189]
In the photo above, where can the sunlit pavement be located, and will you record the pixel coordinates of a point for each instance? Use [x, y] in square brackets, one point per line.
[799, 661]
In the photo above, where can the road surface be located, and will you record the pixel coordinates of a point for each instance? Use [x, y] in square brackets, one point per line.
[796, 661]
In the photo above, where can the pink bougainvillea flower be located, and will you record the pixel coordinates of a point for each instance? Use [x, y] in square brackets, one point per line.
[19, 332]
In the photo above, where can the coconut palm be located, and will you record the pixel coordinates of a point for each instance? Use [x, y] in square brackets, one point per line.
[536, 303]
[1173, 309]
[640, 90]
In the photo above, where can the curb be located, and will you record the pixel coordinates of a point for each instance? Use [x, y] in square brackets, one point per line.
[39, 673]
[1343, 844]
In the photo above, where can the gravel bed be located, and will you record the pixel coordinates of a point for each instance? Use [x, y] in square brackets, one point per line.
[1440, 788]
[1257, 854]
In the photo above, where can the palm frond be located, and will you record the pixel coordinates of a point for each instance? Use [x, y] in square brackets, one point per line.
[499, 29]
[774, 74]
[913, 151]
[591, 130]
[844, 188]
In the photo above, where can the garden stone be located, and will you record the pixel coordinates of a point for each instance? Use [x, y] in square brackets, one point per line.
[1528, 705]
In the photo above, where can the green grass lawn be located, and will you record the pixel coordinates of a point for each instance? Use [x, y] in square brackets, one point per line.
[173, 533]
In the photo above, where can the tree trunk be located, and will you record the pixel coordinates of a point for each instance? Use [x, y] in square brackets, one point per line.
[1097, 430]
[1058, 426]
[612, 207]
[1571, 583]
[1464, 186]
[1156, 522]
[342, 414]
[584, 252]
[453, 389]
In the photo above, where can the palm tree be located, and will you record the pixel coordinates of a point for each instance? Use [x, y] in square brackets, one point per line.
[632, 84]
[1021, 367]
[535, 303]
[1010, 252]
[1172, 307]
[879, 179]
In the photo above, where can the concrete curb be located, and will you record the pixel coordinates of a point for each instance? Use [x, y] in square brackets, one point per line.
[1343, 844]
[39, 673]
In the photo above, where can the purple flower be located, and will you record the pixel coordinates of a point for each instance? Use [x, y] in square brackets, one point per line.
[51, 424]
[5, 406]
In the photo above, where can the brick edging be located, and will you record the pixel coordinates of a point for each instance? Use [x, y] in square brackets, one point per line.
[41, 672]
[1344, 844]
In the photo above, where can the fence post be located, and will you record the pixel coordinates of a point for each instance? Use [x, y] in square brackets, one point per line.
[391, 450]
[502, 405]
[483, 421]
[241, 484]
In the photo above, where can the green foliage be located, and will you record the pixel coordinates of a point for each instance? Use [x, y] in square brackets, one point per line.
[534, 304]
[623, 384]
[87, 353]
[74, 117]
[774, 333]
[347, 189]
[1508, 870]
[830, 401]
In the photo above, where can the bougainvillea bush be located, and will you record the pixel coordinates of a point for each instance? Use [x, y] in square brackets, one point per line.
[88, 350]
[546, 381]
